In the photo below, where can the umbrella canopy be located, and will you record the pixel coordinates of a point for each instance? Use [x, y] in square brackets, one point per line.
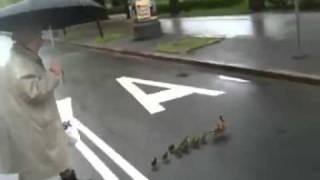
[56, 14]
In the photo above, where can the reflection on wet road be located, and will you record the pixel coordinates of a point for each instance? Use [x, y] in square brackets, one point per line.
[270, 25]
[209, 26]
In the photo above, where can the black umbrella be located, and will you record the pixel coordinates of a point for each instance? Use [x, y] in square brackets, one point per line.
[55, 14]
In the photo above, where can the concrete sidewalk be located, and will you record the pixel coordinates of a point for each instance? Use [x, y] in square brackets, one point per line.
[260, 44]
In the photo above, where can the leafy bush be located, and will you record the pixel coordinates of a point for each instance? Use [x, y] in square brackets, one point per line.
[206, 4]
[187, 5]
[116, 10]
[280, 3]
[310, 4]
[305, 4]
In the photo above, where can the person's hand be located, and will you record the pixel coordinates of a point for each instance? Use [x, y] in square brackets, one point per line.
[56, 69]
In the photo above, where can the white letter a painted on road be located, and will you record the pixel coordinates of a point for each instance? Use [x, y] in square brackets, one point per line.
[152, 102]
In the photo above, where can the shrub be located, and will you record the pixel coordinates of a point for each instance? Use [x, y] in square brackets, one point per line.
[280, 3]
[187, 5]
[310, 4]
[305, 4]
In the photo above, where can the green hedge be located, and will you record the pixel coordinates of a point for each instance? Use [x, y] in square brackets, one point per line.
[116, 10]
[284, 4]
[279, 3]
[310, 4]
[198, 4]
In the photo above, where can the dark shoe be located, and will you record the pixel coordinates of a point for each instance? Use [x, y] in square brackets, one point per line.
[68, 175]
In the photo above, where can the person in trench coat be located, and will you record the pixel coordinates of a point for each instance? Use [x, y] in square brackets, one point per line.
[36, 146]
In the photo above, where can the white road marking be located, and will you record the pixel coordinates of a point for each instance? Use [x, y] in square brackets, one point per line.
[229, 78]
[66, 113]
[95, 162]
[117, 158]
[9, 177]
[151, 102]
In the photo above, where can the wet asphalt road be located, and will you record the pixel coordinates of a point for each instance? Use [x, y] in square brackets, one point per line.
[273, 126]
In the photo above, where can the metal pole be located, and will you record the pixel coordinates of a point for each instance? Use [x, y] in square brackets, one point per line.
[51, 36]
[100, 29]
[299, 53]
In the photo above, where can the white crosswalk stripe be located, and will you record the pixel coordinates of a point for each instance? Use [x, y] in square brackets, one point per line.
[66, 112]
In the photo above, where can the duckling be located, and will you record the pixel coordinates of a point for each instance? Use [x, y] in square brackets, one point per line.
[184, 145]
[165, 156]
[154, 163]
[195, 142]
[203, 138]
[172, 149]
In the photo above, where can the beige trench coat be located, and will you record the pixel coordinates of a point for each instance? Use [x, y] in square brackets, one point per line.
[36, 145]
